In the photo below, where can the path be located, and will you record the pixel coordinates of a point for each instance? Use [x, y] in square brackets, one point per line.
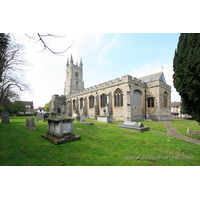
[171, 131]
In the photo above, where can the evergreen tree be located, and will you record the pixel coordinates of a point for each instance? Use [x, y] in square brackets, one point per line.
[186, 78]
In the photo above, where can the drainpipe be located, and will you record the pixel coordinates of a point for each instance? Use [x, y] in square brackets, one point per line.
[145, 116]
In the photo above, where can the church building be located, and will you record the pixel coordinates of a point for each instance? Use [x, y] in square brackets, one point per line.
[126, 98]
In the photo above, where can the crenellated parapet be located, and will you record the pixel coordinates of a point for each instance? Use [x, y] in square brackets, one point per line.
[111, 83]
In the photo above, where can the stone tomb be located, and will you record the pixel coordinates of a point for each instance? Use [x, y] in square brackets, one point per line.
[5, 117]
[105, 118]
[30, 123]
[60, 130]
[137, 126]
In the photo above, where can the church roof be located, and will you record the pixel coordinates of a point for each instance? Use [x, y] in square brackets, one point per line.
[153, 77]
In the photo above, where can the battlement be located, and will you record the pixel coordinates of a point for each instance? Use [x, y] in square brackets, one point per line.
[117, 81]
[56, 96]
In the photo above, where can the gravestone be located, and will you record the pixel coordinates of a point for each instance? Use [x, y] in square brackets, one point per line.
[5, 117]
[30, 123]
[82, 119]
[39, 117]
[134, 126]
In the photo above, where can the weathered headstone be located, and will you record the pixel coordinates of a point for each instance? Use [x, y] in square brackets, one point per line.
[30, 123]
[82, 119]
[39, 117]
[5, 117]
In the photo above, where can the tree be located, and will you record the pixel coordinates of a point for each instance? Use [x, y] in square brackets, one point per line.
[17, 106]
[186, 78]
[41, 38]
[46, 107]
[11, 74]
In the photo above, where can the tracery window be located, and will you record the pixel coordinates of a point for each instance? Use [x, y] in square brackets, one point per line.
[118, 98]
[150, 102]
[91, 101]
[165, 97]
[137, 98]
[81, 103]
[73, 103]
[103, 100]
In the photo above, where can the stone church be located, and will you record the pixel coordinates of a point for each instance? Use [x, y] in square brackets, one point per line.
[126, 98]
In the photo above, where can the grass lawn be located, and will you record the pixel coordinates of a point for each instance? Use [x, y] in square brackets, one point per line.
[183, 125]
[100, 145]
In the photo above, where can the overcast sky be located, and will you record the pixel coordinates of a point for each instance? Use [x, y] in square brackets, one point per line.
[105, 57]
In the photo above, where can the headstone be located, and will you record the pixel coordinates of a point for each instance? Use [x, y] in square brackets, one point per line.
[189, 131]
[30, 123]
[39, 117]
[135, 126]
[82, 118]
[5, 117]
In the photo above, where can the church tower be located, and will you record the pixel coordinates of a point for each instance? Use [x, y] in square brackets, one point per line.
[74, 77]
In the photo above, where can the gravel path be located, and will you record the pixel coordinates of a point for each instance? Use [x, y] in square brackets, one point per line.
[171, 131]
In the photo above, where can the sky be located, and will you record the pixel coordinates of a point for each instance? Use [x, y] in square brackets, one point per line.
[105, 56]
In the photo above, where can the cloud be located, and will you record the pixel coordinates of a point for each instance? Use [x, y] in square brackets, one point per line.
[157, 67]
[107, 47]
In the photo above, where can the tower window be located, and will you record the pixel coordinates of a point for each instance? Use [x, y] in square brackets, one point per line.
[76, 74]
[76, 83]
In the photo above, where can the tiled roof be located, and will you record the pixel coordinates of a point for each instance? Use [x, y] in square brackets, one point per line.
[175, 104]
[153, 77]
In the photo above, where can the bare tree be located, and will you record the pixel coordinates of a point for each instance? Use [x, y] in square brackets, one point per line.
[12, 70]
[42, 38]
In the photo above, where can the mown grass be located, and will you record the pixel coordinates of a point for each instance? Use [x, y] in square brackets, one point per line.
[156, 126]
[183, 125]
[100, 145]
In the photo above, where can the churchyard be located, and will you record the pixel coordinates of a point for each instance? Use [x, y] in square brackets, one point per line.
[101, 144]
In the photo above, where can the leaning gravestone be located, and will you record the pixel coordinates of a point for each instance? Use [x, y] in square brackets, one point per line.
[39, 117]
[30, 123]
[5, 117]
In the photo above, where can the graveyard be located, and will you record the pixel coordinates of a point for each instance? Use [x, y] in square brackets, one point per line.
[101, 144]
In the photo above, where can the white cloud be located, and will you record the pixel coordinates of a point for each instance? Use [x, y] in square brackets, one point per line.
[107, 47]
[157, 67]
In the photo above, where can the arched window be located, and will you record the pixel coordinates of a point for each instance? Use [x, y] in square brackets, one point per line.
[91, 101]
[103, 100]
[118, 98]
[165, 99]
[76, 74]
[73, 103]
[150, 102]
[137, 98]
[81, 103]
